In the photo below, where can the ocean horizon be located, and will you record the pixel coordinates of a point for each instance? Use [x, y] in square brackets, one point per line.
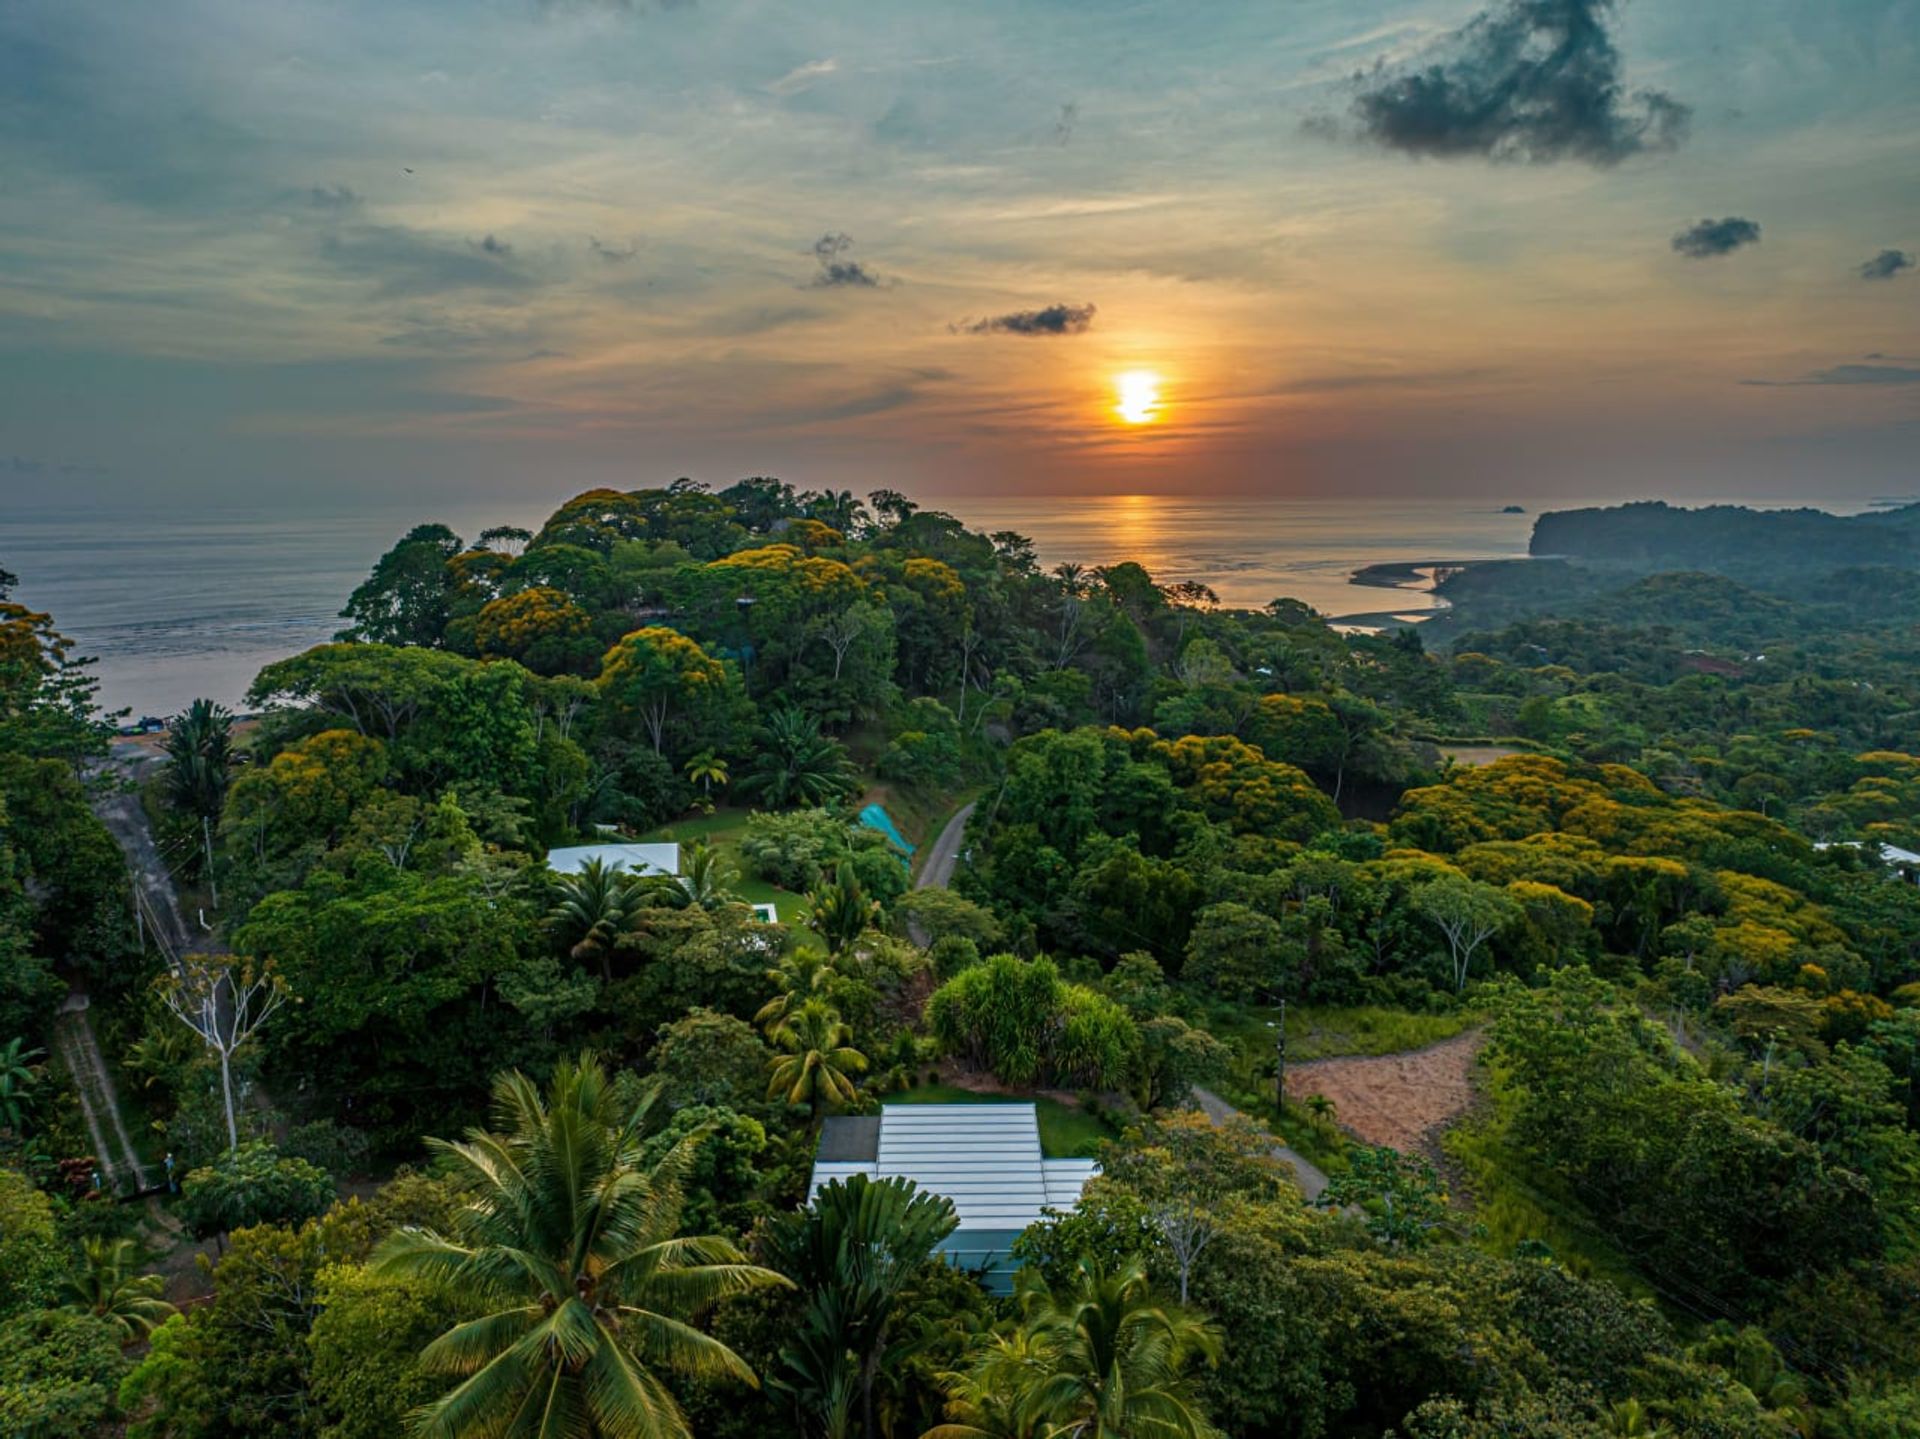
[175, 604]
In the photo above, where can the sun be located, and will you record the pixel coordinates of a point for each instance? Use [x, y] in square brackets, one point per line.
[1139, 392]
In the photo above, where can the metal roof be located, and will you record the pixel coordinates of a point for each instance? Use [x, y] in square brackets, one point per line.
[986, 1158]
[634, 858]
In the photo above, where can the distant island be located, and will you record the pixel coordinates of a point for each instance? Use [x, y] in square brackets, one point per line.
[1512, 510]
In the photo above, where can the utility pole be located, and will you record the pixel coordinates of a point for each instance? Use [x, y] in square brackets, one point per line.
[1280, 1060]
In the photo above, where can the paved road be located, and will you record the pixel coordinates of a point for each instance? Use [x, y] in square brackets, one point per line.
[937, 872]
[1312, 1180]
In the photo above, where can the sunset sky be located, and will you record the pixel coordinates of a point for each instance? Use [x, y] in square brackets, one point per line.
[1427, 246]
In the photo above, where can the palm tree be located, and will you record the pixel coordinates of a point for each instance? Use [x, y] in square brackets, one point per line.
[803, 975]
[19, 1075]
[707, 769]
[1629, 1420]
[841, 910]
[569, 1246]
[107, 1287]
[200, 758]
[796, 764]
[985, 1401]
[706, 876]
[1103, 1360]
[852, 1251]
[592, 908]
[816, 1059]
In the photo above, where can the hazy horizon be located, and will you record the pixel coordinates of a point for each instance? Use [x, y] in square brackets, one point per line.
[515, 248]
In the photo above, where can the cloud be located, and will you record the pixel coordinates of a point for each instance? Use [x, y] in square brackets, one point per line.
[336, 198]
[1063, 127]
[836, 270]
[1524, 80]
[612, 254]
[1049, 320]
[1852, 375]
[1706, 239]
[801, 77]
[404, 262]
[1886, 264]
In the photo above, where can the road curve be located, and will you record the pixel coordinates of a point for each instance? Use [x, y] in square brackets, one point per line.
[1311, 1178]
[944, 858]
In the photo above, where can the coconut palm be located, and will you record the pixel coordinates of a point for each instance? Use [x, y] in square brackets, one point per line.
[107, 1287]
[841, 910]
[592, 908]
[1629, 1420]
[569, 1245]
[816, 1059]
[706, 876]
[1103, 1360]
[796, 764]
[805, 974]
[19, 1076]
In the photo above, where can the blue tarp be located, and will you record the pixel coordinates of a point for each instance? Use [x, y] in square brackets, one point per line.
[876, 817]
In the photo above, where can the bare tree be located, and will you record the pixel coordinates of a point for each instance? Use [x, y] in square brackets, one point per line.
[225, 1000]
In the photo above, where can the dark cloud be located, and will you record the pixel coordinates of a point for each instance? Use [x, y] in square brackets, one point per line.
[1049, 320]
[336, 198]
[836, 270]
[403, 262]
[1854, 374]
[1886, 264]
[1525, 80]
[1706, 239]
[612, 254]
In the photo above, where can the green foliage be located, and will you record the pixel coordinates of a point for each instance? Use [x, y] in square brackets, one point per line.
[31, 1258]
[794, 764]
[852, 1252]
[1018, 1019]
[585, 1323]
[253, 1185]
[708, 1058]
[58, 1374]
[367, 1336]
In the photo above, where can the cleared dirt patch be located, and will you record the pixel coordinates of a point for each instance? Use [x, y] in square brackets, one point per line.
[1400, 1100]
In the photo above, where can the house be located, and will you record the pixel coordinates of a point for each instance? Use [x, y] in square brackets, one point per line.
[640, 859]
[986, 1158]
[1903, 862]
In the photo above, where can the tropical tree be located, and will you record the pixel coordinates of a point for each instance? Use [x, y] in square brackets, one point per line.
[796, 764]
[225, 1000]
[199, 764]
[594, 907]
[570, 1243]
[816, 1059]
[1468, 913]
[664, 681]
[19, 1076]
[707, 769]
[107, 1287]
[842, 912]
[805, 974]
[853, 1250]
[1102, 1360]
[707, 876]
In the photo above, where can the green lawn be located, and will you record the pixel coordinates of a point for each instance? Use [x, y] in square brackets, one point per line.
[1065, 1132]
[722, 829]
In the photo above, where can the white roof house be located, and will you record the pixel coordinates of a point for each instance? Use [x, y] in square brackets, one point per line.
[986, 1158]
[634, 858]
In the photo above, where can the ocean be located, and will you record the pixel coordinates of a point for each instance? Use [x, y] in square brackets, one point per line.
[179, 604]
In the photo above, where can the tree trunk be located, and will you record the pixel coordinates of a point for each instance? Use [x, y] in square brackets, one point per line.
[226, 1090]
